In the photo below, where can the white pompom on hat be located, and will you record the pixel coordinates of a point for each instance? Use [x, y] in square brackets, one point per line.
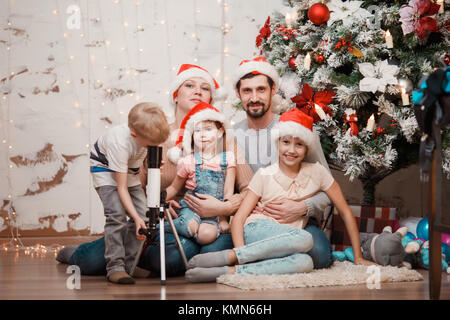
[188, 71]
[258, 65]
[201, 112]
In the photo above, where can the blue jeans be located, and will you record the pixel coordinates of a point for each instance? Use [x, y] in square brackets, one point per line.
[174, 261]
[185, 216]
[273, 248]
[208, 182]
[321, 250]
[90, 256]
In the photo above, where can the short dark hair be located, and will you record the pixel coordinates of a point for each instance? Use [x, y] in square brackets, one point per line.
[252, 75]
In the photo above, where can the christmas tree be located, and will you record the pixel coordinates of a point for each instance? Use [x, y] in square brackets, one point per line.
[352, 66]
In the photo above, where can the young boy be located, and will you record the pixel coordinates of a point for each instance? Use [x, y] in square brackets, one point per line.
[115, 161]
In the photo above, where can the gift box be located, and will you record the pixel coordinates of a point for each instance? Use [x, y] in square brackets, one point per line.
[369, 219]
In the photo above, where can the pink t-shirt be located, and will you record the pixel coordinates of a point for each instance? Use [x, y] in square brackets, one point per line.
[186, 167]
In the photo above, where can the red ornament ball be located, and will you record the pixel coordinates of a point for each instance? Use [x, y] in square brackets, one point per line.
[292, 63]
[318, 13]
[320, 58]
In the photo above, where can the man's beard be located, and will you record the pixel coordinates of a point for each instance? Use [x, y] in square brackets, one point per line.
[259, 113]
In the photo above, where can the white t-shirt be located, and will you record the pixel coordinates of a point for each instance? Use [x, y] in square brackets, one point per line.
[122, 154]
[257, 145]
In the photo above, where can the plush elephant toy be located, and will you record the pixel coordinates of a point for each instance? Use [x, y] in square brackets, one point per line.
[384, 249]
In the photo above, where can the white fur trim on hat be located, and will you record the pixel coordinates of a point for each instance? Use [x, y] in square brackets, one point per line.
[198, 117]
[216, 93]
[293, 129]
[187, 74]
[260, 66]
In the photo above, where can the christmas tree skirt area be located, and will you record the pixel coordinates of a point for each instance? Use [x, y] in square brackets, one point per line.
[339, 274]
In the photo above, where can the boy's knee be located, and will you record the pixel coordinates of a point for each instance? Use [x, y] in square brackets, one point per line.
[207, 233]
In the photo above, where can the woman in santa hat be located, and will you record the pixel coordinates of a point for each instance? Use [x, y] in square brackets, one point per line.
[193, 84]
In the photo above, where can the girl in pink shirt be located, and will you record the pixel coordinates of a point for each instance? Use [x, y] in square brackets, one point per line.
[204, 170]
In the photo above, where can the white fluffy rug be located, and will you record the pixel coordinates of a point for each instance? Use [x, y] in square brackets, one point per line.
[339, 274]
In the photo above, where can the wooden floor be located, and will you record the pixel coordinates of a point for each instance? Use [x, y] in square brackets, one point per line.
[23, 277]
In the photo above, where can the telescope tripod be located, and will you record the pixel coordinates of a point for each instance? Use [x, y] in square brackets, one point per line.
[157, 215]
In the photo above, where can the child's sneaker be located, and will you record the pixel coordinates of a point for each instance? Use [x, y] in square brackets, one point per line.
[120, 277]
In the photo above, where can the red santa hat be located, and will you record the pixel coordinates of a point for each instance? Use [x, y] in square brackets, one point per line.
[201, 112]
[297, 124]
[258, 65]
[188, 71]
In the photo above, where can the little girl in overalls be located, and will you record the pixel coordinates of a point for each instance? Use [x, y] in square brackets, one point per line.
[204, 169]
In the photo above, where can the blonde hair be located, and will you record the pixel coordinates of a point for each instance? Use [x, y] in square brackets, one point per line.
[148, 121]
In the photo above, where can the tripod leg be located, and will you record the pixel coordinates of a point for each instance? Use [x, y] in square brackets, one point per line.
[162, 250]
[175, 233]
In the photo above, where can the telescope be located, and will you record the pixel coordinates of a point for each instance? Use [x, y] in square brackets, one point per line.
[156, 213]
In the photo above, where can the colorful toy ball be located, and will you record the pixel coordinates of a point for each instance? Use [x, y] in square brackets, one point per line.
[410, 235]
[423, 229]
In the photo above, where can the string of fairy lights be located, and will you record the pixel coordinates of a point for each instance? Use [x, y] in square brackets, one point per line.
[10, 219]
[99, 70]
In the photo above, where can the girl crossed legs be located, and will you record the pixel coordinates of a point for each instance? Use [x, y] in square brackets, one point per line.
[270, 248]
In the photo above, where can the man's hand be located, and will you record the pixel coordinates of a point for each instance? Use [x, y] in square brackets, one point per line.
[284, 210]
[205, 205]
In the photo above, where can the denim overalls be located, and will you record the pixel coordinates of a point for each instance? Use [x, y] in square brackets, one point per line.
[208, 182]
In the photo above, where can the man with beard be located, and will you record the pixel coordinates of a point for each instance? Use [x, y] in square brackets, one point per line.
[256, 82]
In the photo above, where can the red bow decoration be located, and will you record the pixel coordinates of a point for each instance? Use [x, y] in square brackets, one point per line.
[351, 119]
[264, 33]
[307, 100]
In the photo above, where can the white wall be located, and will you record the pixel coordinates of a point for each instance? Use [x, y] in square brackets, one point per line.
[60, 88]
